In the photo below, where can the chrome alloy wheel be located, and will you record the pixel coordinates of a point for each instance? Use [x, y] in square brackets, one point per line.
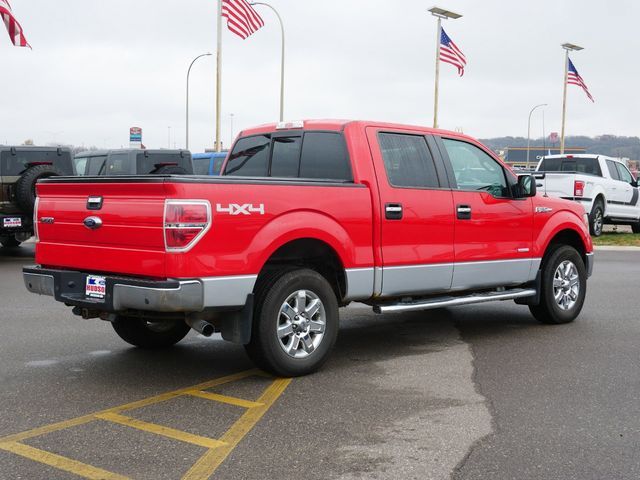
[598, 222]
[301, 324]
[566, 285]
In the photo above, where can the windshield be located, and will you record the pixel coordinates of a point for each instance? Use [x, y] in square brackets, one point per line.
[571, 164]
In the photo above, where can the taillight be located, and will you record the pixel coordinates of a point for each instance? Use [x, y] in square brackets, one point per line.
[578, 188]
[35, 219]
[185, 222]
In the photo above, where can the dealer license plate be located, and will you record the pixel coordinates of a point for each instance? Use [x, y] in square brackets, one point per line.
[11, 222]
[95, 287]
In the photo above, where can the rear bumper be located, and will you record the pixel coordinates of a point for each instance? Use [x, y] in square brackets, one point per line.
[127, 293]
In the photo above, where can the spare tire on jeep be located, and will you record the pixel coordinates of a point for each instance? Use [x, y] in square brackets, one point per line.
[26, 185]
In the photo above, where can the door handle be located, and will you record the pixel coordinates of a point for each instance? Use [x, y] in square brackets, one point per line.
[393, 211]
[464, 212]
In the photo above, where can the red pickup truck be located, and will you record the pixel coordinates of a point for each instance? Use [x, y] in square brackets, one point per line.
[307, 217]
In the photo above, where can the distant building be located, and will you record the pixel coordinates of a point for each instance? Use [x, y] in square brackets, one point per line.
[517, 156]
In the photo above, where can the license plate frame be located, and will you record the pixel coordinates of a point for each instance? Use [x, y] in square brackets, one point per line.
[12, 222]
[95, 287]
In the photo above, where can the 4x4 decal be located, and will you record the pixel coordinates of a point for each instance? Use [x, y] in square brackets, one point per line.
[235, 209]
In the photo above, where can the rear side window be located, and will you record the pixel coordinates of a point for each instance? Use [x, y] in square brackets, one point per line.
[285, 157]
[324, 155]
[120, 164]
[613, 171]
[96, 165]
[408, 161]
[14, 165]
[250, 157]
[153, 161]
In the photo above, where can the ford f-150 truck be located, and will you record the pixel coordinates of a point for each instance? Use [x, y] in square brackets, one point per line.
[603, 185]
[307, 217]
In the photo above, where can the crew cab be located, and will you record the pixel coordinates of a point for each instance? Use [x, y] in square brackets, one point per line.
[307, 217]
[603, 185]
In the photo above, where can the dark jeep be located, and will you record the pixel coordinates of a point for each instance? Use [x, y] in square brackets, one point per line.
[20, 169]
[133, 162]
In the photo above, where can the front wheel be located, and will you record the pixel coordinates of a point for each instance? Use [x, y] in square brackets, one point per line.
[295, 323]
[148, 334]
[563, 288]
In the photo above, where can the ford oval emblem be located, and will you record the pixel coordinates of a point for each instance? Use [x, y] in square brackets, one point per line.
[92, 223]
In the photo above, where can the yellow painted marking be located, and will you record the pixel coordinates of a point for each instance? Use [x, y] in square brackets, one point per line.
[60, 462]
[238, 402]
[160, 430]
[211, 460]
[36, 432]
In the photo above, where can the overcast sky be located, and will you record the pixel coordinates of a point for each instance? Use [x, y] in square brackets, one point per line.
[97, 68]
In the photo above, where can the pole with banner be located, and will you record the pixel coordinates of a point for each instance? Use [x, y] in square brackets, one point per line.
[439, 13]
[219, 77]
[567, 48]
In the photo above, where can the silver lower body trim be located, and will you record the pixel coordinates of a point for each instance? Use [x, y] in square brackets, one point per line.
[589, 265]
[360, 283]
[229, 291]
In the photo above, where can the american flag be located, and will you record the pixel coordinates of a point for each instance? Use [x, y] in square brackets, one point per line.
[13, 27]
[241, 17]
[450, 53]
[574, 78]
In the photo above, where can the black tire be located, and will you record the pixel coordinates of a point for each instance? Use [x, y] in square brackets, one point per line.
[150, 335]
[549, 310]
[596, 219]
[26, 185]
[267, 349]
[9, 242]
[635, 228]
[170, 170]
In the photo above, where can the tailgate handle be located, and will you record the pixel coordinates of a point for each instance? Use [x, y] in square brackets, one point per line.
[393, 211]
[94, 203]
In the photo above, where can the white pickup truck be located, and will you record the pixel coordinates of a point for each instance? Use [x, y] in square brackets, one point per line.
[603, 185]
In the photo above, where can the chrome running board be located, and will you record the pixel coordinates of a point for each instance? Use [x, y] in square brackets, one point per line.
[440, 302]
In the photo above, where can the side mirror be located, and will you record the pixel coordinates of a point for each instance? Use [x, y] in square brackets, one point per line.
[526, 186]
[634, 183]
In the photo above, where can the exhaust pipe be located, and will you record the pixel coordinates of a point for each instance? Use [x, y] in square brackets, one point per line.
[201, 326]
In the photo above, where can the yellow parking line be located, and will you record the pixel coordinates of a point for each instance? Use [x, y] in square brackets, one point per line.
[211, 460]
[160, 430]
[60, 462]
[36, 432]
[238, 402]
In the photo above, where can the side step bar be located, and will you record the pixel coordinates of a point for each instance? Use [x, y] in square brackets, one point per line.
[440, 302]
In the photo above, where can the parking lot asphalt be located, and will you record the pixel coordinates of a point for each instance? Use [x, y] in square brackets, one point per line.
[470, 392]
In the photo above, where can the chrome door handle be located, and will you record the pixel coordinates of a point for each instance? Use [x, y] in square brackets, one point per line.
[393, 211]
[463, 212]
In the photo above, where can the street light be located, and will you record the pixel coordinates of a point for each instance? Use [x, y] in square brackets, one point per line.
[567, 48]
[282, 57]
[188, 74]
[529, 131]
[439, 13]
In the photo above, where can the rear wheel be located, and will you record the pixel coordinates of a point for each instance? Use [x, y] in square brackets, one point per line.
[563, 288]
[635, 228]
[597, 219]
[9, 242]
[148, 334]
[295, 323]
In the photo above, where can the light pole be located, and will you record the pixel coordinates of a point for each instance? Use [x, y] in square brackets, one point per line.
[282, 57]
[188, 74]
[439, 13]
[231, 141]
[529, 131]
[567, 48]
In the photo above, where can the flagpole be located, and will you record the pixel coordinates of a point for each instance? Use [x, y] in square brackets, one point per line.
[435, 100]
[574, 48]
[564, 99]
[439, 13]
[219, 78]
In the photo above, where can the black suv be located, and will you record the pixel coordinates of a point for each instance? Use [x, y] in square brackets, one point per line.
[20, 169]
[133, 162]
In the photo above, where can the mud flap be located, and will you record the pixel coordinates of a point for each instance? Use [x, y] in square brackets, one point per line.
[535, 299]
[236, 326]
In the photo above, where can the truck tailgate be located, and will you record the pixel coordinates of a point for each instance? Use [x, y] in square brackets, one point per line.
[130, 240]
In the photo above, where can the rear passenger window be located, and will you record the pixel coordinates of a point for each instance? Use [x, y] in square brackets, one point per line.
[285, 157]
[324, 156]
[408, 161]
[624, 174]
[613, 171]
[250, 157]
